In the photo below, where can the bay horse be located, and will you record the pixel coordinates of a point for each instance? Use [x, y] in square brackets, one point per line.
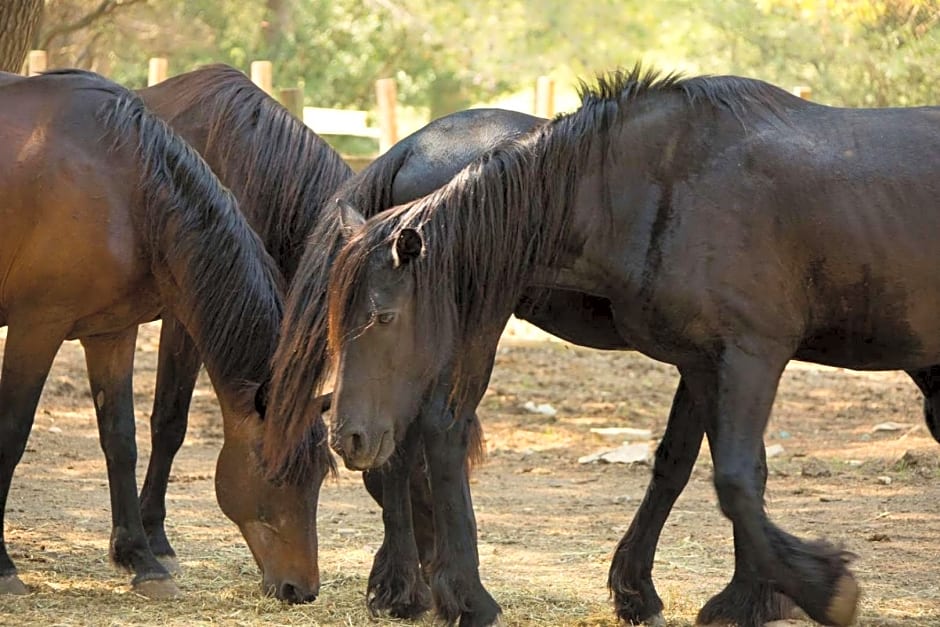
[732, 227]
[282, 174]
[108, 220]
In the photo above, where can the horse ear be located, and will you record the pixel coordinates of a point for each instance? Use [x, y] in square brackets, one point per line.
[261, 398]
[350, 219]
[408, 245]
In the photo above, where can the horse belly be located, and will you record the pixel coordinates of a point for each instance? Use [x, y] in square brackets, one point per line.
[899, 333]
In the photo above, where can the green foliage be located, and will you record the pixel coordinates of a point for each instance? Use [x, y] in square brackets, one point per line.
[447, 54]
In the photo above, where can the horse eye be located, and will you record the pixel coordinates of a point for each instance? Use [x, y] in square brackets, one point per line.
[385, 318]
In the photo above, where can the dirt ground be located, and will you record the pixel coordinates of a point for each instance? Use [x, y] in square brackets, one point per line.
[547, 524]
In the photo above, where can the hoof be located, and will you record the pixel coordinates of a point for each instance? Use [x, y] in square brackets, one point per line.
[844, 604]
[656, 620]
[11, 584]
[170, 563]
[158, 589]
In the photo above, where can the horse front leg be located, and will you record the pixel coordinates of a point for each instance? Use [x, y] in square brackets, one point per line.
[456, 588]
[177, 369]
[737, 392]
[395, 582]
[110, 361]
[747, 599]
[28, 354]
[630, 580]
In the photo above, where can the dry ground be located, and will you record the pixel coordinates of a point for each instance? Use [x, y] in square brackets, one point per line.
[547, 524]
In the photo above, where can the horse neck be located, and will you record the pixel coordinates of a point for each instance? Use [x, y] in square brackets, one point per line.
[211, 269]
[281, 172]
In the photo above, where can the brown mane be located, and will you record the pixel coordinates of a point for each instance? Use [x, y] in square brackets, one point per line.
[282, 172]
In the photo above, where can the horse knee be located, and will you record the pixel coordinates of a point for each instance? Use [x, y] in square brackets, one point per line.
[120, 450]
[735, 489]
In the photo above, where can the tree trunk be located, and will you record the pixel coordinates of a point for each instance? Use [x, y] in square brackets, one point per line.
[19, 19]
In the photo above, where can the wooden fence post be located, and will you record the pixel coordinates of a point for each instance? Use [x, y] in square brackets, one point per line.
[157, 71]
[544, 97]
[36, 62]
[293, 100]
[803, 91]
[262, 73]
[386, 93]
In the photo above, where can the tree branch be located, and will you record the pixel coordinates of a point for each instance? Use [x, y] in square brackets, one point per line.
[107, 7]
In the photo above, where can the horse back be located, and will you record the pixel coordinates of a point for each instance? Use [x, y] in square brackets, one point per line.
[819, 233]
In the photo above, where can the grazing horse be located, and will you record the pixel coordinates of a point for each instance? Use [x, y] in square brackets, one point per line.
[282, 174]
[107, 220]
[731, 226]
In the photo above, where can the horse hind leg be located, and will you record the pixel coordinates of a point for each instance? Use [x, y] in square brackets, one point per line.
[177, 370]
[928, 380]
[27, 357]
[110, 361]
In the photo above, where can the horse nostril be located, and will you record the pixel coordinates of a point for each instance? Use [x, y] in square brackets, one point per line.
[354, 443]
[293, 594]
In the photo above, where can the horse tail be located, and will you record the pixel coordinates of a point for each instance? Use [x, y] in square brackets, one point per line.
[211, 267]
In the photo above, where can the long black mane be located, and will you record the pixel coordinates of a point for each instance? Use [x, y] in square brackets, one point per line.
[281, 171]
[301, 362]
[515, 207]
[210, 264]
[477, 263]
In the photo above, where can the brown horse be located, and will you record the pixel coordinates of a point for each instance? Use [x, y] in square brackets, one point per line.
[109, 219]
[282, 175]
[731, 226]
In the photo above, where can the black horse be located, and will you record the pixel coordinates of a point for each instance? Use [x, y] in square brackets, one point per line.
[415, 166]
[731, 227]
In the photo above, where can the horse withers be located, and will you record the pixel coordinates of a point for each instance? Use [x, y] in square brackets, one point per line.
[732, 227]
[108, 219]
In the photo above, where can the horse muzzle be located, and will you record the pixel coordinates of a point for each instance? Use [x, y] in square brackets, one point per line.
[362, 450]
[290, 591]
